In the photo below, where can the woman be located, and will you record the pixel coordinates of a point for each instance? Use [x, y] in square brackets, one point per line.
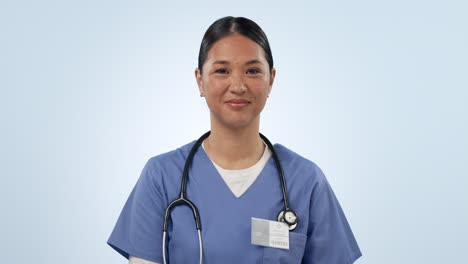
[233, 181]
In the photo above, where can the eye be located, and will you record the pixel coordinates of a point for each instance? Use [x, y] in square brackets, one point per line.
[222, 71]
[253, 71]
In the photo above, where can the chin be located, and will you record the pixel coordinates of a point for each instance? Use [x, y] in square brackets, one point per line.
[235, 121]
[238, 123]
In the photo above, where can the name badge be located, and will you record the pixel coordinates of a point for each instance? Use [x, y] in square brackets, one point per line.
[270, 233]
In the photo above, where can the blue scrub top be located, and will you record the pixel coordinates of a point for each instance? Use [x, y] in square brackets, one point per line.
[323, 235]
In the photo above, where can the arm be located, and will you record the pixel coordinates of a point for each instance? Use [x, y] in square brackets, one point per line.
[137, 231]
[330, 239]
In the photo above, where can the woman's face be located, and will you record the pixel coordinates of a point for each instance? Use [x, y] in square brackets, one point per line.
[236, 81]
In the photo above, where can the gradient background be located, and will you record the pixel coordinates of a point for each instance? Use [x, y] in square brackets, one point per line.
[374, 92]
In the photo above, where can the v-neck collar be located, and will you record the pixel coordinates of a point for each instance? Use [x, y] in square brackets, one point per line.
[221, 181]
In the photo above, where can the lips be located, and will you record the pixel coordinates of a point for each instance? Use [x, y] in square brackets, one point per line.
[237, 103]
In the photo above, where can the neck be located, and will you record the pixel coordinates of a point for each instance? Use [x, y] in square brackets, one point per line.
[234, 148]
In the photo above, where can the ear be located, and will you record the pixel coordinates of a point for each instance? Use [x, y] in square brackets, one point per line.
[272, 80]
[199, 80]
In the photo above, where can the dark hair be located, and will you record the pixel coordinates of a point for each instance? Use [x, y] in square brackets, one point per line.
[229, 25]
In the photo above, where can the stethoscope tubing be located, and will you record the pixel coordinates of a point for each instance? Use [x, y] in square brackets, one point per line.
[183, 194]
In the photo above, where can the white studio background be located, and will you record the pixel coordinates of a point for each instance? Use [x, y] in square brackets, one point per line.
[374, 92]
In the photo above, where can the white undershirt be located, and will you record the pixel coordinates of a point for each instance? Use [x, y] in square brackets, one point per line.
[137, 260]
[238, 182]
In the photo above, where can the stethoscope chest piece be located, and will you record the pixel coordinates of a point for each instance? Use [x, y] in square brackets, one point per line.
[289, 217]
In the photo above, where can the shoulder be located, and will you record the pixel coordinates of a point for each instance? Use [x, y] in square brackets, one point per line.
[299, 166]
[170, 158]
[294, 159]
[163, 170]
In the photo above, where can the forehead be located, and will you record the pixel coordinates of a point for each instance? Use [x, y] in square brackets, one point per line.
[235, 48]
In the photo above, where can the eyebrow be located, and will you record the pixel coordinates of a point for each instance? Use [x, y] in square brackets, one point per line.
[224, 62]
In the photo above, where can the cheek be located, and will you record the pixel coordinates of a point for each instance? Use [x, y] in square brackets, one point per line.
[259, 87]
[215, 88]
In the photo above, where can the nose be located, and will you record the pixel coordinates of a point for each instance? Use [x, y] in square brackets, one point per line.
[237, 84]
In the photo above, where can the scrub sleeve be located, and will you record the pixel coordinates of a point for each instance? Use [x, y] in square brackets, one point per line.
[138, 231]
[329, 236]
[328, 239]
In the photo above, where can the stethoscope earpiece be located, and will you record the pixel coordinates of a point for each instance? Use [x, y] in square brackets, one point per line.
[290, 218]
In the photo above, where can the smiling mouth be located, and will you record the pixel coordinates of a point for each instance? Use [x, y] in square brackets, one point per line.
[238, 104]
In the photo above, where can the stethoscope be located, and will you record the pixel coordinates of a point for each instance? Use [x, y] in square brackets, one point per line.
[287, 215]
